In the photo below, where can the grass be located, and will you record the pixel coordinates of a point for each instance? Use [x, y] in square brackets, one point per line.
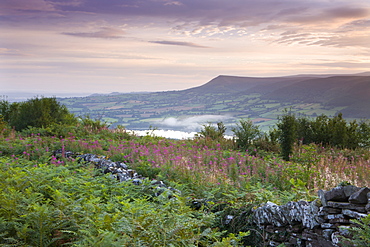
[80, 206]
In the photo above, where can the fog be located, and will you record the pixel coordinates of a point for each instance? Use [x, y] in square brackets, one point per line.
[184, 127]
[191, 124]
[171, 134]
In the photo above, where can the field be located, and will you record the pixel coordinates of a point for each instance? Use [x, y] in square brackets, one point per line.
[140, 111]
[51, 199]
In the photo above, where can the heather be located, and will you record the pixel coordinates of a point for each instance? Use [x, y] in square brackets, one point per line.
[49, 199]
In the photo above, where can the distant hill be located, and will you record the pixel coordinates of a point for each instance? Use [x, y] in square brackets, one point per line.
[229, 98]
[351, 92]
[235, 84]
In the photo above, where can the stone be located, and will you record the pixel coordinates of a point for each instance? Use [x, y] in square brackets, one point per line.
[321, 195]
[327, 226]
[367, 208]
[334, 216]
[322, 242]
[353, 214]
[347, 205]
[335, 238]
[121, 165]
[137, 181]
[340, 220]
[344, 231]
[329, 210]
[336, 194]
[327, 233]
[349, 190]
[228, 219]
[360, 196]
[293, 211]
[309, 219]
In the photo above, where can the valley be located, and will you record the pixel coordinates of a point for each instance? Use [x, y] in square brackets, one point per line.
[227, 99]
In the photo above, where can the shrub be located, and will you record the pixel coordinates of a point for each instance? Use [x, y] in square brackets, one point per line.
[213, 132]
[288, 134]
[245, 133]
[37, 112]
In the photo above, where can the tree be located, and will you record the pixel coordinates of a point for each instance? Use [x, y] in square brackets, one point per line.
[287, 125]
[213, 132]
[246, 132]
[37, 112]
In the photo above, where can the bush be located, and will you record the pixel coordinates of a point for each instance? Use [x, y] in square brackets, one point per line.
[212, 132]
[288, 134]
[37, 112]
[245, 133]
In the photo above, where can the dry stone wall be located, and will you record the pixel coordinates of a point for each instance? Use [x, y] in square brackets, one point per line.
[304, 224]
[317, 223]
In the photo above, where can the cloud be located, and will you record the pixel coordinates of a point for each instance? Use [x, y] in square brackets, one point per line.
[28, 5]
[361, 24]
[169, 2]
[342, 65]
[104, 33]
[178, 43]
[11, 52]
[328, 15]
[192, 123]
[345, 41]
[347, 12]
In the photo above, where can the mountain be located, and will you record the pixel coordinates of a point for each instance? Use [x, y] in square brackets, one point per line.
[235, 84]
[349, 91]
[229, 98]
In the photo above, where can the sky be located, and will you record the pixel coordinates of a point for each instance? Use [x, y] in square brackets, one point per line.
[81, 47]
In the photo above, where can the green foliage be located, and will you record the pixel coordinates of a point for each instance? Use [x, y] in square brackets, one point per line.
[50, 201]
[287, 126]
[246, 132]
[212, 132]
[37, 112]
[360, 234]
[44, 205]
[334, 132]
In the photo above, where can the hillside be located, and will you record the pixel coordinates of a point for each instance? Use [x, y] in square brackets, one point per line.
[228, 98]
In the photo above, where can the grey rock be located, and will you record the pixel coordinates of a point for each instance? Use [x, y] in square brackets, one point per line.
[121, 165]
[309, 217]
[344, 231]
[340, 221]
[335, 238]
[327, 233]
[334, 216]
[294, 211]
[228, 219]
[347, 205]
[329, 210]
[137, 181]
[360, 196]
[349, 190]
[321, 194]
[367, 208]
[336, 194]
[327, 226]
[353, 214]
[290, 213]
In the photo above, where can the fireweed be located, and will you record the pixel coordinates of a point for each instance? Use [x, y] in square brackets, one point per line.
[203, 166]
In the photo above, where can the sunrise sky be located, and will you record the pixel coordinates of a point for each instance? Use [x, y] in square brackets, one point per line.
[102, 46]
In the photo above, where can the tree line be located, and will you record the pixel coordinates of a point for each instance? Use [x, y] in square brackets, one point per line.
[290, 129]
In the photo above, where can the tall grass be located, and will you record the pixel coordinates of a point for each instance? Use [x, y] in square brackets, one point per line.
[192, 162]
